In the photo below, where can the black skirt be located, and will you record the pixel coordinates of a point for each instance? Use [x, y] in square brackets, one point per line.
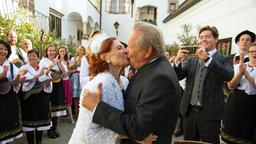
[36, 110]
[57, 97]
[240, 118]
[10, 121]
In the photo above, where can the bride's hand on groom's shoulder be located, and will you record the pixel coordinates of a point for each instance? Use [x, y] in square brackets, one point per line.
[91, 99]
[149, 139]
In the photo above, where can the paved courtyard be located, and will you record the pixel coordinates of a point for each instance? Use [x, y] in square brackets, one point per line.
[65, 128]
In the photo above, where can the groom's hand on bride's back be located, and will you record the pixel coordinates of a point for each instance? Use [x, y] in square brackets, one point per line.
[91, 99]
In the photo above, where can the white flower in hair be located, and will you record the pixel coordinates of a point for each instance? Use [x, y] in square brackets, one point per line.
[96, 42]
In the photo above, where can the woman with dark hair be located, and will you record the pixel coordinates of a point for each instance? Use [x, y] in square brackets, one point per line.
[62, 51]
[10, 121]
[35, 102]
[54, 69]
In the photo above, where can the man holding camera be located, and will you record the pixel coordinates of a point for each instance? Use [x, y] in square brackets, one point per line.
[202, 104]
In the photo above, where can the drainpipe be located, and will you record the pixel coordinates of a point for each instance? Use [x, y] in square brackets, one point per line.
[100, 14]
[132, 2]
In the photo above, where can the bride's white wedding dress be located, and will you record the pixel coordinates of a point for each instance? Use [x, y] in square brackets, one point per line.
[87, 132]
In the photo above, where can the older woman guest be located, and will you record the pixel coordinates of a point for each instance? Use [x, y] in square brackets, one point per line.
[240, 123]
[35, 102]
[10, 121]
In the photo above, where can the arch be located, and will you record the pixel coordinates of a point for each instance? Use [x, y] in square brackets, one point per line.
[74, 16]
[75, 25]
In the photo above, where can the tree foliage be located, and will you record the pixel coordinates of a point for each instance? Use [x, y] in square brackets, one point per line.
[185, 37]
[29, 31]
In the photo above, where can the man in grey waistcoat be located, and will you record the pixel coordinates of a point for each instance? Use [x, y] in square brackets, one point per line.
[202, 104]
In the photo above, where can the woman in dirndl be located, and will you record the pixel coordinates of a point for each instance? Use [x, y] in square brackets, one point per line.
[57, 97]
[76, 65]
[240, 114]
[62, 51]
[34, 99]
[10, 121]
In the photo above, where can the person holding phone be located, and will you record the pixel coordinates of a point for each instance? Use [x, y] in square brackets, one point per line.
[202, 103]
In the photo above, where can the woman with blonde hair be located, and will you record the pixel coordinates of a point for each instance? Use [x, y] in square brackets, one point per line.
[75, 66]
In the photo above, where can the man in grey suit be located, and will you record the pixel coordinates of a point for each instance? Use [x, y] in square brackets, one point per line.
[202, 104]
[151, 101]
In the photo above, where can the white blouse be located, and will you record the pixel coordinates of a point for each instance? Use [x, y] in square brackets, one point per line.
[87, 132]
[31, 72]
[8, 74]
[244, 84]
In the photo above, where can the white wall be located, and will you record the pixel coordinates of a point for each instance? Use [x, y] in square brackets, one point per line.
[42, 6]
[229, 17]
[126, 21]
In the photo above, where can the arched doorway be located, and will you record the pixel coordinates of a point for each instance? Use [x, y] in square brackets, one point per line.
[75, 27]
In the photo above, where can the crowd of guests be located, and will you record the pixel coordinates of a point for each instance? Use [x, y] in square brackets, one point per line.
[36, 92]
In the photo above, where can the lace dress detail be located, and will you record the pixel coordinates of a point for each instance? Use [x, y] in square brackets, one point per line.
[87, 132]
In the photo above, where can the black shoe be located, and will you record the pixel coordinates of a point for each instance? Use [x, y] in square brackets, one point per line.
[51, 134]
[178, 133]
[57, 134]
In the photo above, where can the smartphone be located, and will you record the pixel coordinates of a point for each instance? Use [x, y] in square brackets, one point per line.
[191, 49]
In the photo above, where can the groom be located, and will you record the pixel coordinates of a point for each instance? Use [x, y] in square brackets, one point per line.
[151, 101]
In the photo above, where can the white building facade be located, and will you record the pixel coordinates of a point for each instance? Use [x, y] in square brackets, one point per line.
[77, 19]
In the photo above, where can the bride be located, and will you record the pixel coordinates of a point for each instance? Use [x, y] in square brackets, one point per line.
[106, 63]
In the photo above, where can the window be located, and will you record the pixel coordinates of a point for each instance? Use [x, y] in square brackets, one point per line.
[224, 46]
[55, 25]
[28, 4]
[172, 8]
[117, 6]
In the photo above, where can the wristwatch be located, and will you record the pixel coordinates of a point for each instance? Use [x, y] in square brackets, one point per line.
[206, 60]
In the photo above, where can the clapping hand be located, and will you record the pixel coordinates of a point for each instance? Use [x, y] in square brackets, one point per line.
[40, 74]
[242, 68]
[56, 60]
[3, 74]
[22, 72]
